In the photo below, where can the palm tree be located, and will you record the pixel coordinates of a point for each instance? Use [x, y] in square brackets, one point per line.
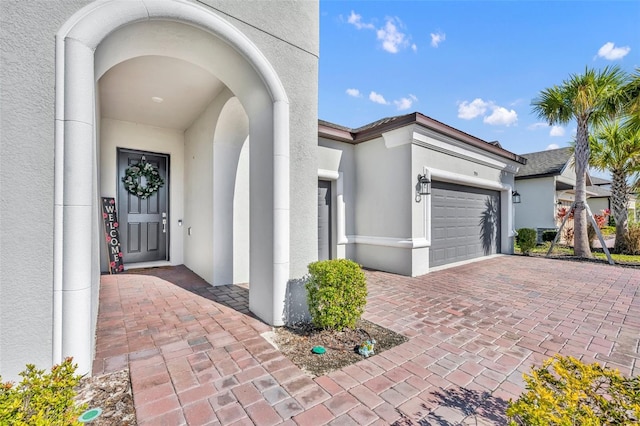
[617, 148]
[632, 90]
[588, 99]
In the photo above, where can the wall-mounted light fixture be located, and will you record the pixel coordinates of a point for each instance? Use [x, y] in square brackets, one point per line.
[515, 197]
[423, 187]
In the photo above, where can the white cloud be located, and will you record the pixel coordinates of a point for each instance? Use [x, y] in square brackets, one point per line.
[552, 146]
[405, 103]
[536, 126]
[392, 38]
[414, 47]
[501, 117]
[354, 92]
[356, 20]
[437, 38]
[377, 98]
[610, 52]
[468, 111]
[556, 131]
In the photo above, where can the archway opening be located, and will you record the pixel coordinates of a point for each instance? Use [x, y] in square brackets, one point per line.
[104, 38]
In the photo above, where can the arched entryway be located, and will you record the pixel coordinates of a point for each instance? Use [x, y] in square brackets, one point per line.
[107, 37]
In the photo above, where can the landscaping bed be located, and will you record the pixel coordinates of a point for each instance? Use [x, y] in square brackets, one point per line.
[341, 347]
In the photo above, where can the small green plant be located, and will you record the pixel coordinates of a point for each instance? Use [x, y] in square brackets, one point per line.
[565, 391]
[608, 230]
[41, 398]
[526, 239]
[549, 235]
[336, 293]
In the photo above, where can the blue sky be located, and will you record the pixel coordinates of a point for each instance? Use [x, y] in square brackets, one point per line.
[474, 65]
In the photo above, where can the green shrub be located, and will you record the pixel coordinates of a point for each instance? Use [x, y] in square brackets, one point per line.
[41, 398]
[565, 391]
[633, 239]
[608, 230]
[336, 293]
[526, 239]
[549, 235]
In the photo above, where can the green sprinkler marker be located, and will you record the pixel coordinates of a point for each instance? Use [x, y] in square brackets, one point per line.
[318, 350]
[90, 415]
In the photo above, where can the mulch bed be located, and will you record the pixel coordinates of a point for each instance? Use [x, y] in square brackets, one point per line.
[111, 393]
[341, 347]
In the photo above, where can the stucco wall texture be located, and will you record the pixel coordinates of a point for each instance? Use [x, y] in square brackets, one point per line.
[293, 52]
[27, 34]
[285, 32]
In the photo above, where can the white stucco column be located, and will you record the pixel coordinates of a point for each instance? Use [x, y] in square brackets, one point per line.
[281, 230]
[72, 286]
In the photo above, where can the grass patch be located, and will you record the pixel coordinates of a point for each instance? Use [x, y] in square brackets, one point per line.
[542, 249]
[608, 231]
[620, 258]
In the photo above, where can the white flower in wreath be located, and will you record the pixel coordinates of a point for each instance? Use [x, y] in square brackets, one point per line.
[133, 181]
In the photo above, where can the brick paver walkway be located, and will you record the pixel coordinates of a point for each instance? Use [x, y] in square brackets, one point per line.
[197, 358]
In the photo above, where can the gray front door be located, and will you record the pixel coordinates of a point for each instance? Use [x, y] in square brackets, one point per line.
[324, 220]
[465, 223]
[144, 230]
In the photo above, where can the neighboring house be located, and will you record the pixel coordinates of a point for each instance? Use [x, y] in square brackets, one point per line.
[599, 194]
[547, 182]
[379, 219]
[222, 100]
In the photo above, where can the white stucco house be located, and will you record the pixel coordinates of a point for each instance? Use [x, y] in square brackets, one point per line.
[547, 182]
[210, 92]
[221, 99]
[375, 213]
[600, 198]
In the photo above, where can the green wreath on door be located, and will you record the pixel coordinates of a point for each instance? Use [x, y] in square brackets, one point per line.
[133, 179]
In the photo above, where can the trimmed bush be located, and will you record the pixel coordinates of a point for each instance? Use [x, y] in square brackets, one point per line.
[565, 391]
[336, 293]
[549, 235]
[526, 239]
[41, 398]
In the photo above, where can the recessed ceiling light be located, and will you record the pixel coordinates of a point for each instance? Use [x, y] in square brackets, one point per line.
[157, 99]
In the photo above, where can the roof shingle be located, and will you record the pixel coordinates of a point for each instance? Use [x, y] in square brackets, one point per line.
[545, 163]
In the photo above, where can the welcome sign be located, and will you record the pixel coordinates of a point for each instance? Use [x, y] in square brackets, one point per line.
[112, 236]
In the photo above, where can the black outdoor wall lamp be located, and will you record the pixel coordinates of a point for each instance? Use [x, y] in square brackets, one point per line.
[515, 197]
[423, 187]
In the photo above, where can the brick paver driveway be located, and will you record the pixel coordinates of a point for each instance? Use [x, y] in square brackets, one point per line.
[196, 358]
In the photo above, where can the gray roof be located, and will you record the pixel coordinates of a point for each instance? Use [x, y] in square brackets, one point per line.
[598, 191]
[545, 163]
[373, 130]
[599, 181]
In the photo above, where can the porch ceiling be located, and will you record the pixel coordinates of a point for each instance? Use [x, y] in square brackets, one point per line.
[127, 89]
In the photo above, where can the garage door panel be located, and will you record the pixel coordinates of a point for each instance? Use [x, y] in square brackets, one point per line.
[465, 223]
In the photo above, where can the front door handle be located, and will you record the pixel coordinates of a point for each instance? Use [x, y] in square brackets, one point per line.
[164, 222]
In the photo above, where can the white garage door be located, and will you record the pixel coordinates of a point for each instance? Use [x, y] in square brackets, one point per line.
[465, 223]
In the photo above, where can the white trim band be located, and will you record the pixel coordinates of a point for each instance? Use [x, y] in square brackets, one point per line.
[406, 243]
